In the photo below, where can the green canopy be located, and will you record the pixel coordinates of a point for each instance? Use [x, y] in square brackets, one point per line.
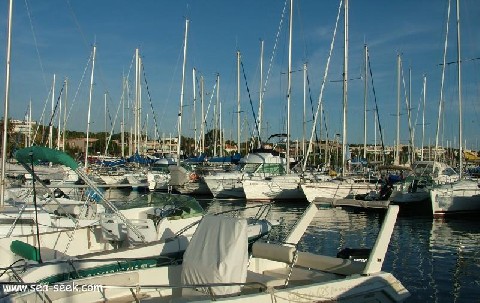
[40, 153]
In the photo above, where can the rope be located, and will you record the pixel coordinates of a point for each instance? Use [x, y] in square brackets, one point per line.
[320, 97]
[36, 43]
[54, 110]
[250, 99]
[376, 109]
[274, 49]
[150, 101]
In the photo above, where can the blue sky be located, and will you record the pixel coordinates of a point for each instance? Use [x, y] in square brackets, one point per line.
[56, 37]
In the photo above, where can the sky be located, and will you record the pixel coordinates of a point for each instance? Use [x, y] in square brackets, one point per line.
[56, 37]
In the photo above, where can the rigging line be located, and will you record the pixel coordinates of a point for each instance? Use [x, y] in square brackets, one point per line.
[275, 45]
[407, 103]
[167, 101]
[79, 85]
[418, 113]
[250, 98]
[311, 104]
[119, 105]
[77, 23]
[54, 111]
[324, 80]
[36, 44]
[204, 119]
[442, 87]
[376, 109]
[150, 101]
[42, 115]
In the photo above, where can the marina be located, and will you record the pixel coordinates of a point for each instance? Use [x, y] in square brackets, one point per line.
[273, 174]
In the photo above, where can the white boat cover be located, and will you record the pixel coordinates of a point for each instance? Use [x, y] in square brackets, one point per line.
[217, 253]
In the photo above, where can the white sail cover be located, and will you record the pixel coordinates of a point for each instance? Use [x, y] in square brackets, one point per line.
[217, 253]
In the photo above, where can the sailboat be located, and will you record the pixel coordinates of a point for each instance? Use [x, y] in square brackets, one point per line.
[463, 196]
[345, 186]
[284, 186]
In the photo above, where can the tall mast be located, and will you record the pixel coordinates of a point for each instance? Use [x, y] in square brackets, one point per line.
[238, 102]
[345, 89]
[202, 126]
[59, 128]
[182, 93]
[216, 115]
[423, 114]
[90, 104]
[397, 153]
[105, 118]
[50, 131]
[260, 106]
[136, 110]
[460, 109]
[7, 96]
[30, 124]
[365, 86]
[289, 88]
[221, 130]
[304, 150]
[194, 110]
[122, 126]
[64, 114]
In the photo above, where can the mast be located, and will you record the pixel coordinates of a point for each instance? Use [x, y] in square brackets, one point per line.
[105, 108]
[216, 135]
[64, 114]
[7, 96]
[289, 88]
[50, 131]
[182, 93]
[365, 103]
[194, 110]
[59, 128]
[304, 150]
[423, 114]
[460, 109]
[221, 130]
[122, 126]
[260, 106]
[202, 126]
[440, 107]
[135, 108]
[238, 102]
[397, 153]
[30, 124]
[345, 90]
[90, 104]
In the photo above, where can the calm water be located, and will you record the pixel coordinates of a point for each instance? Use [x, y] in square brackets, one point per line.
[437, 261]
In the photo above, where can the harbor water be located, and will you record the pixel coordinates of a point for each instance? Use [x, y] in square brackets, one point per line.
[436, 260]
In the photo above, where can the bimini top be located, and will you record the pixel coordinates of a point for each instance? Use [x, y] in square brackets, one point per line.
[44, 154]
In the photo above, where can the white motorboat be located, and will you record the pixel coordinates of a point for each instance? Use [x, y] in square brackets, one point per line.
[217, 265]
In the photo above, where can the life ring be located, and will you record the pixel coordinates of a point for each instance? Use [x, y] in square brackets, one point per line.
[193, 176]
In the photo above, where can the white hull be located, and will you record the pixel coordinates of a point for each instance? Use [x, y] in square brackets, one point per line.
[113, 180]
[462, 197]
[334, 189]
[274, 188]
[225, 185]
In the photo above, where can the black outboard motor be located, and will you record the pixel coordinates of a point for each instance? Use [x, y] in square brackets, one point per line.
[355, 254]
[58, 193]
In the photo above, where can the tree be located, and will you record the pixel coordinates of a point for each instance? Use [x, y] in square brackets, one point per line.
[10, 141]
